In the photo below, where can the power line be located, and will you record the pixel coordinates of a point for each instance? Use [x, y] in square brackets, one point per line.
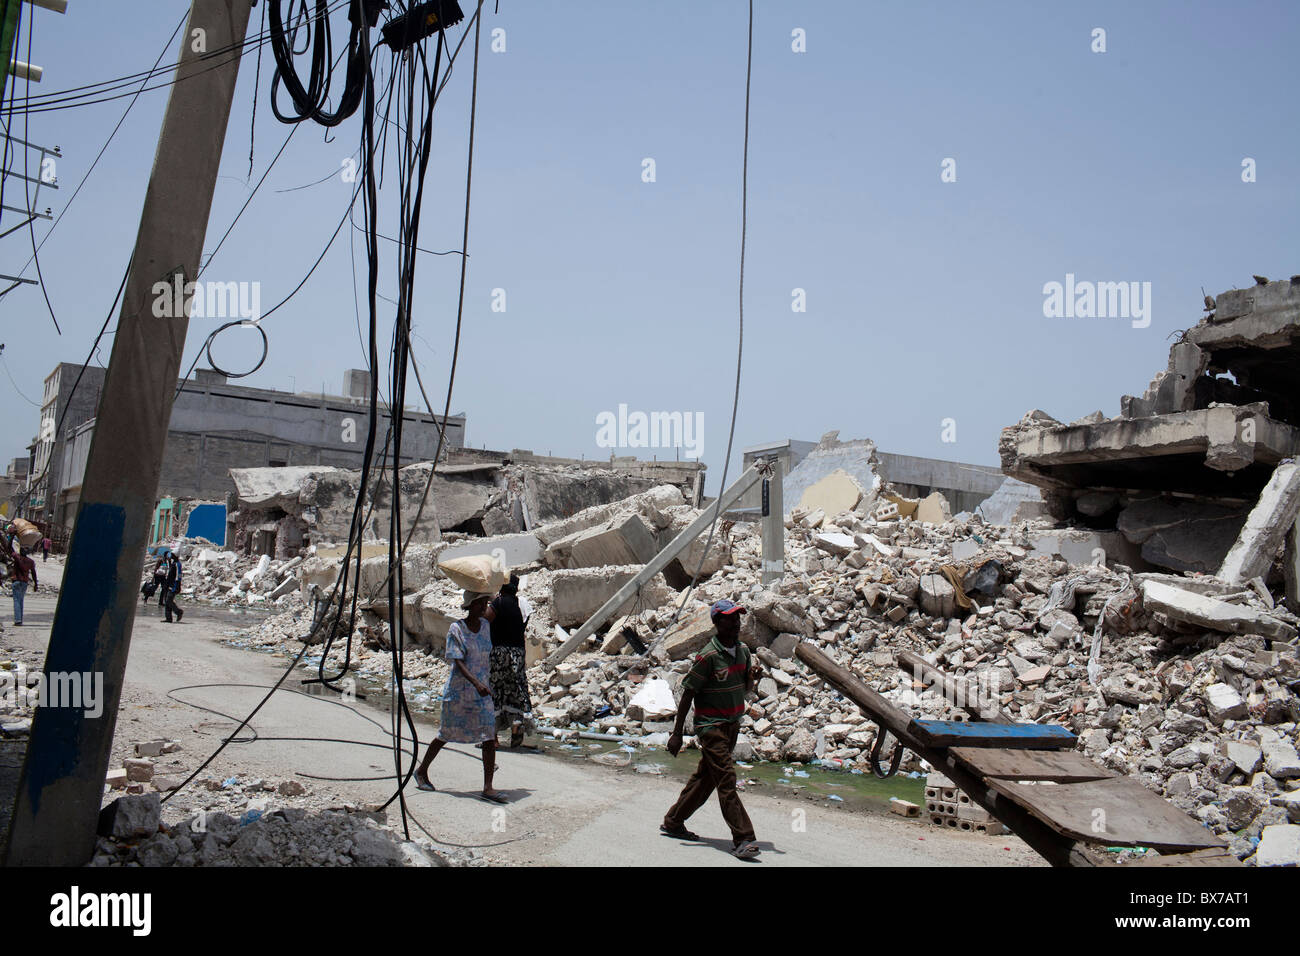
[740, 345]
[100, 154]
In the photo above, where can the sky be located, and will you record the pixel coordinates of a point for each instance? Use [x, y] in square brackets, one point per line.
[918, 174]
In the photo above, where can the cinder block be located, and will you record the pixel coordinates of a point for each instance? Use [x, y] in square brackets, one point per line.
[973, 812]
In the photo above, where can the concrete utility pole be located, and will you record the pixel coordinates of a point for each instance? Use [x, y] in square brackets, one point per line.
[773, 525]
[62, 780]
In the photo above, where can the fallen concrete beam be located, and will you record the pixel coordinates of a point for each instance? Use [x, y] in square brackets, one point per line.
[1279, 503]
[1216, 433]
[1211, 613]
[577, 594]
[623, 540]
[517, 550]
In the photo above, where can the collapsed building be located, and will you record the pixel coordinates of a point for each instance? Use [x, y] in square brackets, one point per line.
[1175, 474]
[277, 511]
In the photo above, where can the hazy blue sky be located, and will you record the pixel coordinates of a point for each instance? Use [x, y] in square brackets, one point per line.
[924, 298]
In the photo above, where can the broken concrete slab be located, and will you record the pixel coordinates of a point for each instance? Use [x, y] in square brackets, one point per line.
[856, 459]
[834, 542]
[933, 509]
[1222, 702]
[516, 550]
[579, 593]
[658, 498]
[1245, 755]
[689, 635]
[836, 493]
[1153, 452]
[1179, 533]
[1279, 503]
[937, 596]
[622, 540]
[1014, 500]
[1190, 608]
[1279, 845]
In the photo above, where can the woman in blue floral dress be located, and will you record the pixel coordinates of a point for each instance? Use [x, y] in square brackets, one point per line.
[468, 716]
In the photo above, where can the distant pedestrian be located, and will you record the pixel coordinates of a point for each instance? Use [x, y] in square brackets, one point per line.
[467, 714]
[24, 574]
[170, 565]
[45, 549]
[509, 674]
[716, 684]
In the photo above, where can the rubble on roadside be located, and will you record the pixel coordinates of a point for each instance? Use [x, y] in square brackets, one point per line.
[260, 835]
[1176, 680]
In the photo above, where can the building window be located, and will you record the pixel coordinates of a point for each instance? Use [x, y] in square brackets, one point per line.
[276, 463]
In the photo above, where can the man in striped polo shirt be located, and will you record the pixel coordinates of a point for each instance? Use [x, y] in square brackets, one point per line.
[716, 684]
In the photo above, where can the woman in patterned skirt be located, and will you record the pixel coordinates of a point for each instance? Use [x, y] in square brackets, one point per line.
[467, 712]
[514, 706]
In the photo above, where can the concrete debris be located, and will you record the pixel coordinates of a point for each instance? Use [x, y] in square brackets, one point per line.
[1180, 468]
[1193, 687]
[286, 836]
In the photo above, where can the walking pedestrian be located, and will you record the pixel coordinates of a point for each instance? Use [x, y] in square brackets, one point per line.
[716, 684]
[509, 667]
[170, 566]
[45, 549]
[467, 713]
[24, 574]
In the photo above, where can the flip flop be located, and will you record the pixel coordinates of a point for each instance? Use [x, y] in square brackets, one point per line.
[497, 797]
[745, 851]
[682, 834]
[424, 785]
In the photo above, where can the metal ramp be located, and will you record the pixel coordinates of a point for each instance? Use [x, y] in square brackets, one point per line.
[1029, 777]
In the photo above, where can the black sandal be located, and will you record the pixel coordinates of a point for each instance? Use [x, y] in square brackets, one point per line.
[679, 834]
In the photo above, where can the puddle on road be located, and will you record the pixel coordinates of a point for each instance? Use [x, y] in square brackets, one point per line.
[829, 787]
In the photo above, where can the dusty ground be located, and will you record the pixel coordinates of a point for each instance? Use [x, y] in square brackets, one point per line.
[562, 812]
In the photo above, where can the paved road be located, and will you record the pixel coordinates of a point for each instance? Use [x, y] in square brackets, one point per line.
[562, 812]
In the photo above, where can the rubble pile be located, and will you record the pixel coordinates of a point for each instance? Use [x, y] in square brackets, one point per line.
[216, 576]
[286, 836]
[1175, 473]
[1185, 682]
[1175, 691]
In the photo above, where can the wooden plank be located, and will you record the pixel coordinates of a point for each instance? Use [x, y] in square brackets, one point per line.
[1114, 812]
[878, 708]
[971, 733]
[1059, 766]
[1056, 849]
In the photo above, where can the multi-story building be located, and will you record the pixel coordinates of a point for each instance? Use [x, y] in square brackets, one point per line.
[216, 426]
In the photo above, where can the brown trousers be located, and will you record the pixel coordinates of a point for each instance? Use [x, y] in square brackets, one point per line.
[715, 772]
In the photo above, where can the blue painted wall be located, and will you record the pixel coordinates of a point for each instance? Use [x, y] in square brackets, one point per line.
[207, 521]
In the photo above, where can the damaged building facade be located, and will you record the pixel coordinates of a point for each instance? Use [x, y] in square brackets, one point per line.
[276, 511]
[964, 486]
[216, 426]
[1177, 472]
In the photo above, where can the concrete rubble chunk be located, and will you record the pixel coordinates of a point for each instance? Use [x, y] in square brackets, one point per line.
[138, 770]
[624, 540]
[577, 594]
[1222, 702]
[835, 543]
[1280, 758]
[836, 493]
[1279, 845]
[1215, 615]
[1246, 756]
[689, 635]
[937, 596]
[1279, 503]
[137, 816]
